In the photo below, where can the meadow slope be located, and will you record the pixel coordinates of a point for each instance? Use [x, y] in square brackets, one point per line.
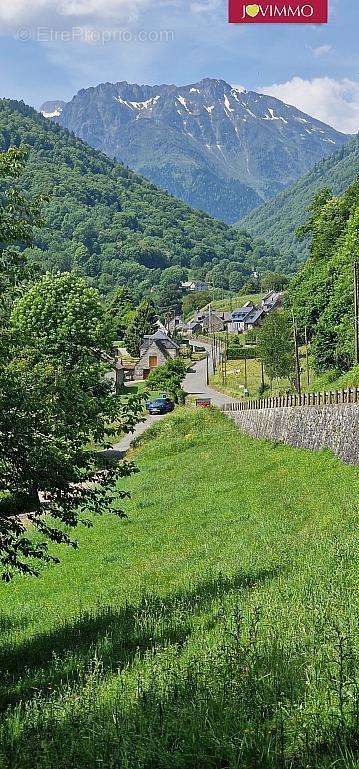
[215, 628]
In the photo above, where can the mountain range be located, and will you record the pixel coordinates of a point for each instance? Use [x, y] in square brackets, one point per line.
[217, 147]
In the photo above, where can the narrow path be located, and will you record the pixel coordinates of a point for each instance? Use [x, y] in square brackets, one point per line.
[194, 383]
[119, 449]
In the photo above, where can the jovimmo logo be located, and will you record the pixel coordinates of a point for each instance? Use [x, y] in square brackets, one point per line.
[279, 12]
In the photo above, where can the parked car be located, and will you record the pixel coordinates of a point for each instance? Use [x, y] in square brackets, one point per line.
[160, 406]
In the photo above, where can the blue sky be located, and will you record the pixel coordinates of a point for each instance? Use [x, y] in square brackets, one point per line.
[72, 44]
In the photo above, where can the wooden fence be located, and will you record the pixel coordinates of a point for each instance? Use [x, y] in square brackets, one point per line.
[332, 398]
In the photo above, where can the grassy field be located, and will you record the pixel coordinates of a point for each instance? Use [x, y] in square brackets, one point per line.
[216, 628]
[333, 382]
[236, 378]
[239, 300]
[234, 384]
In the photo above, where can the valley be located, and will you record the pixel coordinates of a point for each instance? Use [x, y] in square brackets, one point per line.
[176, 594]
[218, 148]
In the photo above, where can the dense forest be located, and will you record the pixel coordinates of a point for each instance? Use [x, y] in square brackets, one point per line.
[322, 293]
[115, 227]
[278, 219]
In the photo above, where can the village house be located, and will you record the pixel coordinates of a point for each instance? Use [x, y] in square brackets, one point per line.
[155, 350]
[177, 324]
[208, 322]
[255, 318]
[272, 301]
[250, 316]
[236, 323]
[194, 285]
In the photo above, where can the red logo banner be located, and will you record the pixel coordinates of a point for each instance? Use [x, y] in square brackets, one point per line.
[278, 12]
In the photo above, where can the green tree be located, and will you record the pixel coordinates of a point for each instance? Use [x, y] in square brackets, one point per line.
[53, 396]
[273, 281]
[173, 276]
[194, 301]
[322, 292]
[121, 309]
[168, 301]
[276, 346]
[144, 322]
[169, 377]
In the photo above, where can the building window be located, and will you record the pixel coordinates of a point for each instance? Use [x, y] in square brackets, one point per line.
[153, 361]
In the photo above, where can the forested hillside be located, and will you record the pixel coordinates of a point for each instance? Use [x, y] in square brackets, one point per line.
[322, 293]
[111, 224]
[278, 219]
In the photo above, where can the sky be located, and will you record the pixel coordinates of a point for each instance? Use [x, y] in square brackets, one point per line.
[50, 49]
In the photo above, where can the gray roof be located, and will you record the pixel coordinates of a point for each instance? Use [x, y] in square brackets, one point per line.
[253, 316]
[161, 337]
[242, 312]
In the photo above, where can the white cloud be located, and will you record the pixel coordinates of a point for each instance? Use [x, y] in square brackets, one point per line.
[335, 102]
[322, 50]
[61, 13]
[207, 6]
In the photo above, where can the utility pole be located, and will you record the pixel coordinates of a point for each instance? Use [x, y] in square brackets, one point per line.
[225, 355]
[223, 362]
[207, 369]
[297, 361]
[262, 375]
[306, 354]
[356, 311]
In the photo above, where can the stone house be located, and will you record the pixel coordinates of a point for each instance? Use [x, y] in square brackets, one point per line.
[210, 321]
[272, 301]
[155, 350]
[255, 318]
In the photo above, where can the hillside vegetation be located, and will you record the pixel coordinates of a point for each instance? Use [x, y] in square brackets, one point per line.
[322, 293]
[278, 219]
[111, 224]
[217, 627]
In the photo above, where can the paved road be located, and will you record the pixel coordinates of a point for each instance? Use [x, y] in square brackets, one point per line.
[193, 384]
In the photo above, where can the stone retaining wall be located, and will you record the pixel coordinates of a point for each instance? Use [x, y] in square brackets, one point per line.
[311, 427]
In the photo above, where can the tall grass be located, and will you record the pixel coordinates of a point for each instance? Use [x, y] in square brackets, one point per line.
[217, 627]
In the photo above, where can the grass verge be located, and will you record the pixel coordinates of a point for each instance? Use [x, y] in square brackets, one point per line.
[216, 628]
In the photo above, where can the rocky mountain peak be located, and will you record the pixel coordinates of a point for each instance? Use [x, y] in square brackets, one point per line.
[215, 145]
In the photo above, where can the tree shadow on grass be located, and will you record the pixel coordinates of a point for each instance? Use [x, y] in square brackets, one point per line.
[46, 661]
[224, 708]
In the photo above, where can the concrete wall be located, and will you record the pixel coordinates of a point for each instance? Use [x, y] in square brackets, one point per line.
[312, 427]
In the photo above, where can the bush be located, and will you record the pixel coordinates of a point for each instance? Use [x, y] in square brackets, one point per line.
[239, 352]
[234, 348]
[168, 377]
